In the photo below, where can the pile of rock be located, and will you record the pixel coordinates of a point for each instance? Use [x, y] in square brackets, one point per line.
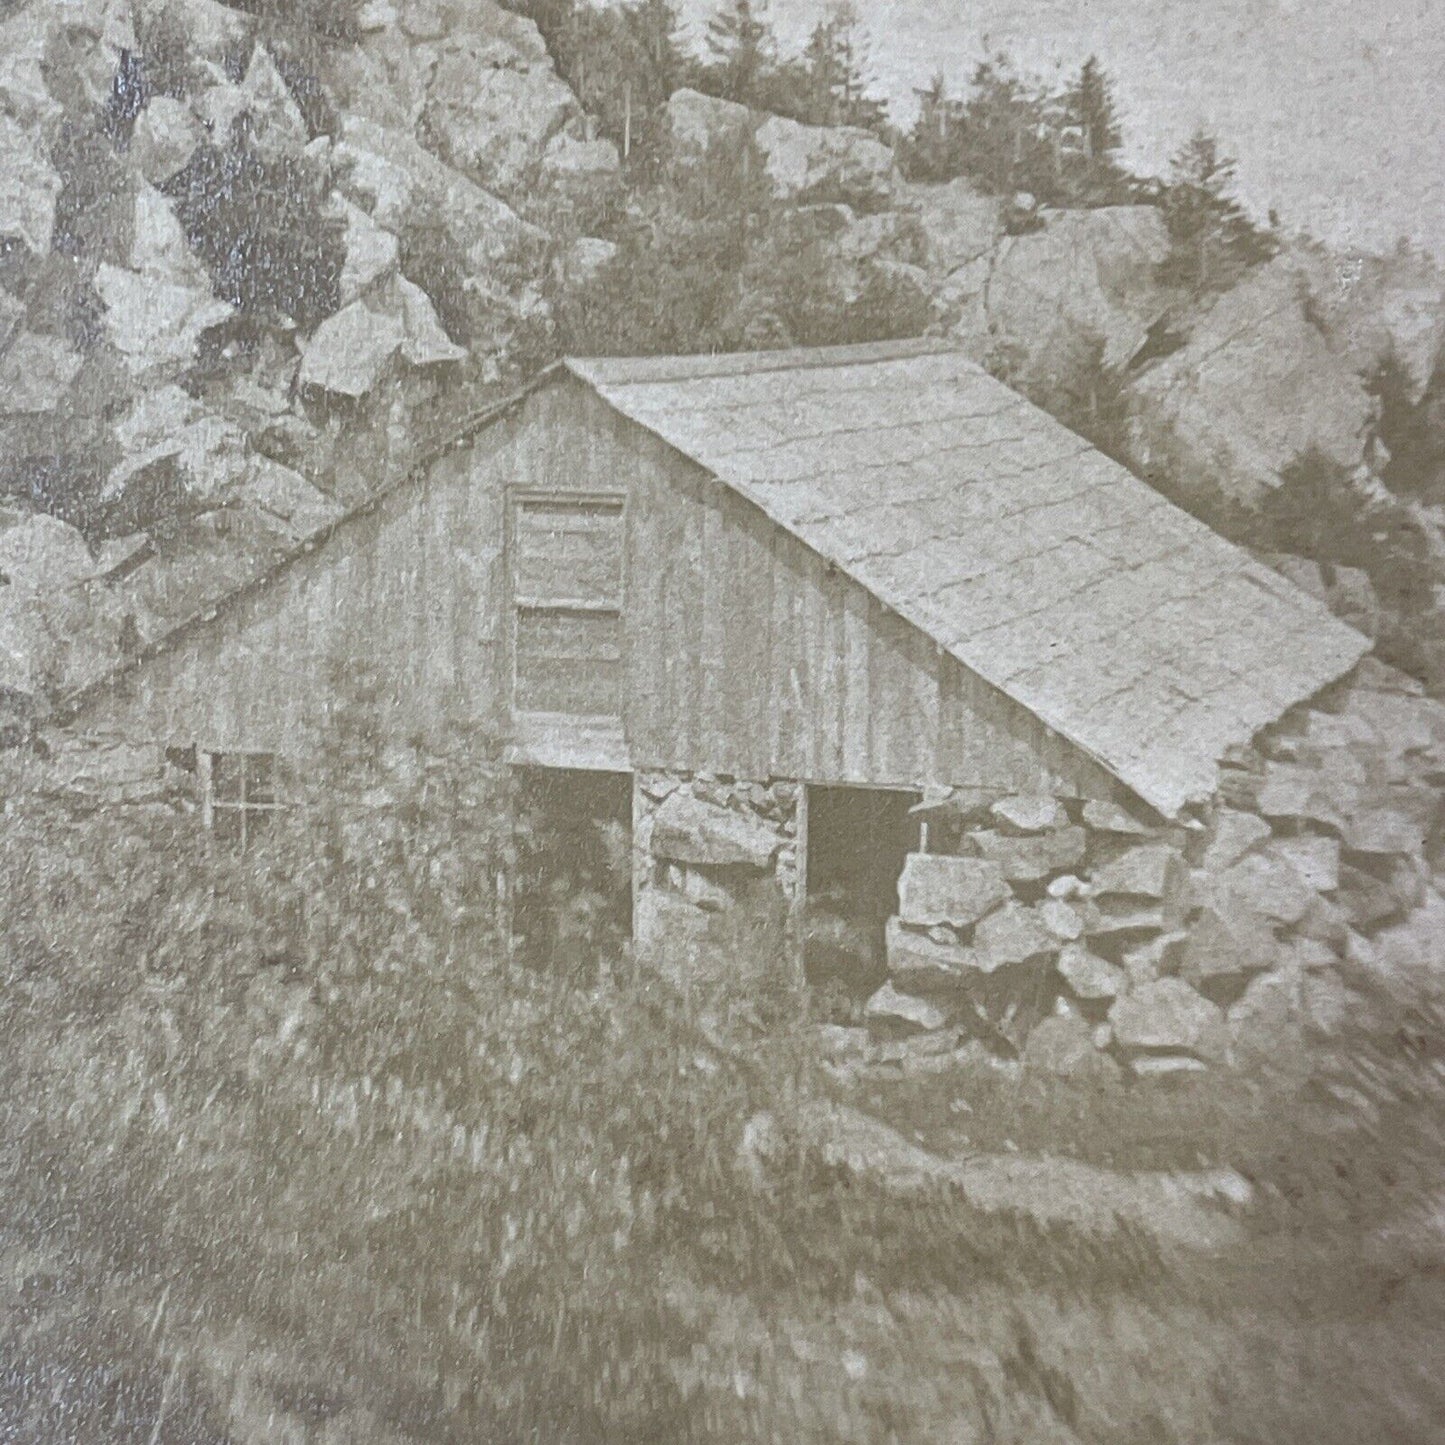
[1078, 935]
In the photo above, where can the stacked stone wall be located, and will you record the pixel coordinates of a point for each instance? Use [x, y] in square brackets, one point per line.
[1080, 935]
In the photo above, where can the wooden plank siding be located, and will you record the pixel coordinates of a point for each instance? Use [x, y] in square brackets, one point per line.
[745, 652]
[409, 595]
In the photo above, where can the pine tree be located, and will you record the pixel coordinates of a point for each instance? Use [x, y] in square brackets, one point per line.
[1214, 241]
[1006, 144]
[1090, 114]
[743, 52]
[930, 152]
[835, 72]
[1090, 106]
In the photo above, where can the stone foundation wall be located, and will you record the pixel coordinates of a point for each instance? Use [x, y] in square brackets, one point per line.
[716, 879]
[1078, 935]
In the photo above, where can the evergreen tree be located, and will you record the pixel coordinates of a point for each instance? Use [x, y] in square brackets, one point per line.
[834, 72]
[1090, 117]
[742, 51]
[1214, 241]
[1413, 432]
[1089, 103]
[930, 151]
[1007, 143]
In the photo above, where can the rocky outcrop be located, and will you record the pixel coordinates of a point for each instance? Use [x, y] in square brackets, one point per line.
[827, 163]
[350, 352]
[696, 123]
[804, 163]
[155, 325]
[958, 223]
[1374, 307]
[489, 98]
[1256, 386]
[1084, 279]
[400, 184]
[166, 135]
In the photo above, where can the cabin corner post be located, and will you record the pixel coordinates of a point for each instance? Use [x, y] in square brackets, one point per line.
[798, 904]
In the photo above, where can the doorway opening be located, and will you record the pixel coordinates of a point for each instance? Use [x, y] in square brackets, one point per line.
[571, 885]
[858, 841]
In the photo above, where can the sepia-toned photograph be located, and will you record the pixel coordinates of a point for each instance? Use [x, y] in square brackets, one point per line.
[722, 721]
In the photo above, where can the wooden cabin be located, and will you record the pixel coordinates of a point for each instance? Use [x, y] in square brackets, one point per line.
[756, 588]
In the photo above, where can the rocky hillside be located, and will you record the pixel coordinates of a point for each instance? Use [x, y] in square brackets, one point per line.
[248, 268]
[251, 264]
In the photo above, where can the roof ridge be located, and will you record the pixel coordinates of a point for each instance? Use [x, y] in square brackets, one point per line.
[645, 370]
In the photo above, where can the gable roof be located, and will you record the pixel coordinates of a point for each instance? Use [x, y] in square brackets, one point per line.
[1123, 623]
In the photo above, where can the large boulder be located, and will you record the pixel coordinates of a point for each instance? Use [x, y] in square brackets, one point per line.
[1168, 1016]
[1256, 386]
[349, 353]
[29, 187]
[1031, 859]
[958, 224]
[275, 121]
[833, 163]
[1225, 945]
[494, 100]
[695, 123]
[921, 965]
[165, 137]
[938, 889]
[371, 250]
[1088, 976]
[166, 424]
[159, 248]
[279, 493]
[894, 1014]
[1029, 813]
[1013, 935]
[689, 830]
[1085, 279]
[156, 325]
[402, 186]
[35, 373]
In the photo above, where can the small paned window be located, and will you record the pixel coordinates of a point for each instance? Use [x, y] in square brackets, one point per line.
[240, 795]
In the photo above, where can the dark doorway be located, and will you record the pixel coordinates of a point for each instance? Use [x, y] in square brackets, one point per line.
[858, 839]
[571, 889]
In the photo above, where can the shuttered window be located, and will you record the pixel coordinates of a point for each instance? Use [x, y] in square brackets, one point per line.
[567, 593]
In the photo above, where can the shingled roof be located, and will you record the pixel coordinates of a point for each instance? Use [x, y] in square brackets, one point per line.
[1126, 625]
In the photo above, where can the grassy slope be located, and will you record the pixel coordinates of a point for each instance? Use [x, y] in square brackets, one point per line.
[258, 1210]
